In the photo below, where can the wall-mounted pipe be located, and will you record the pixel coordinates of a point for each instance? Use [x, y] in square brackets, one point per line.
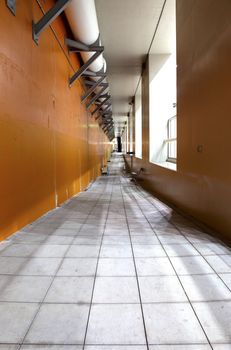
[81, 15]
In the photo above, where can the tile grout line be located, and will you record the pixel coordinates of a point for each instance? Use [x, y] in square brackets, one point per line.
[137, 280]
[150, 275]
[116, 303]
[101, 243]
[108, 244]
[118, 345]
[108, 257]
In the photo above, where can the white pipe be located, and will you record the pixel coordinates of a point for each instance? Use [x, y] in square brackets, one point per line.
[81, 15]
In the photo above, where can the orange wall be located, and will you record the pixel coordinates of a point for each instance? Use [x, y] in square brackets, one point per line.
[50, 147]
[201, 187]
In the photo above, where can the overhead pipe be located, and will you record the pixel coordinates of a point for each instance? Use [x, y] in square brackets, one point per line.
[82, 18]
[81, 15]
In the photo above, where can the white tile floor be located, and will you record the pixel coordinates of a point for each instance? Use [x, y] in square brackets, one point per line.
[114, 268]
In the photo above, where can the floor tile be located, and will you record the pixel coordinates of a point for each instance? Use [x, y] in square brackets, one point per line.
[68, 224]
[68, 232]
[116, 226]
[83, 251]
[41, 266]
[196, 237]
[78, 267]
[161, 289]
[221, 346]
[58, 240]
[148, 251]
[138, 224]
[95, 226]
[36, 250]
[116, 232]
[221, 263]
[87, 240]
[141, 232]
[15, 320]
[19, 250]
[226, 277]
[191, 265]
[205, 288]
[116, 290]
[173, 323]
[172, 239]
[153, 267]
[98, 221]
[12, 265]
[116, 222]
[50, 251]
[212, 248]
[105, 326]
[91, 232]
[167, 231]
[116, 251]
[180, 250]
[116, 240]
[24, 288]
[144, 240]
[70, 290]
[26, 237]
[4, 245]
[116, 267]
[31, 266]
[215, 318]
[59, 324]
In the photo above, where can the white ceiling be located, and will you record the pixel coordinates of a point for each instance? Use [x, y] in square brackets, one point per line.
[126, 29]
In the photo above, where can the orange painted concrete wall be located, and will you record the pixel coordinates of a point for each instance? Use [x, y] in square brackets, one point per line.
[50, 147]
[201, 186]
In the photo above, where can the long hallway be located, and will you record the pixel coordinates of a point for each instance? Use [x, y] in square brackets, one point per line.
[114, 268]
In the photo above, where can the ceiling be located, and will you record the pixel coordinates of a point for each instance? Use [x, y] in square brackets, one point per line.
[127, 28]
